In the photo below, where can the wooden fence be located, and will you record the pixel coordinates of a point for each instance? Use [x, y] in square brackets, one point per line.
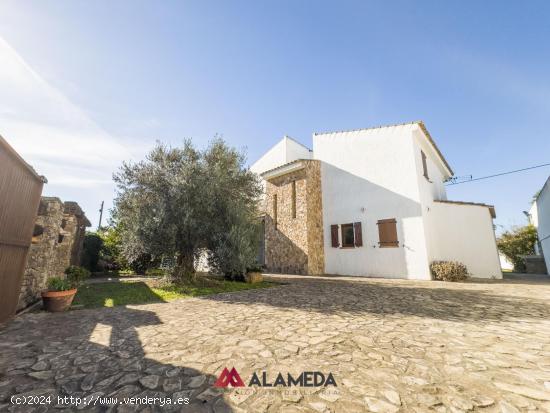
[20, 190]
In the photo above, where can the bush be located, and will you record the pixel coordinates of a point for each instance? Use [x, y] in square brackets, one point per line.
[517, 242]
[236, 251]
[92, 248]
[255, 268]
[111, 257]
[59, 284]
[448, 271]
[142, 263]
[76, 275]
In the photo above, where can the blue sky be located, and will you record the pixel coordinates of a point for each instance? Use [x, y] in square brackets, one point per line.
[84, 85]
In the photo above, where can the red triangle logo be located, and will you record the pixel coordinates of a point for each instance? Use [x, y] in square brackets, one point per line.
[229, 378]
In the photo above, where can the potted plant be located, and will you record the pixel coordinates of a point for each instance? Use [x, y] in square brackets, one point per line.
[61, 291]
[254, 274]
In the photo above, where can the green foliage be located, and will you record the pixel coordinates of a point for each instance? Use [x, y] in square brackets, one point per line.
[181, 200]
[448, 271]
[517, 242]
[59, 284]
[91, 251]
[236, 250]
[255, 268]
[111, 252]
[76, 275]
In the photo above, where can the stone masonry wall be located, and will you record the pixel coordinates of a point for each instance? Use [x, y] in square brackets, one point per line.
[316, 252]
[295, 245]
[57, 243]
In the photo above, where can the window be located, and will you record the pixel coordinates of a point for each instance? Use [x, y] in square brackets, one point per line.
[387, 233]
[293, 199]
[424, 165]
[351, 235]
[275, 210]
[348, 239]
[60, 238]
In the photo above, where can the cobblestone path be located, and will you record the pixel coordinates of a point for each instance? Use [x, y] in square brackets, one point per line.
[391, 345]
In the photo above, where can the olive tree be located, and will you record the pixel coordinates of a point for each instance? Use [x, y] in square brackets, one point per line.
[180, 201]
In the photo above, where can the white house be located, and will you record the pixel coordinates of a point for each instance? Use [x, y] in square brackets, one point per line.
[539, 216]
[369, 202]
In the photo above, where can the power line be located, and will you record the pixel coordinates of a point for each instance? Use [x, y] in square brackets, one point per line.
[500, 174]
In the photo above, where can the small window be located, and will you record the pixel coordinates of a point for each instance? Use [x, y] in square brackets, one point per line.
[60, 238]
[293, 199]
[425, 165]
[348, 238]
[387, 233]
[275, 210]
[63, 223]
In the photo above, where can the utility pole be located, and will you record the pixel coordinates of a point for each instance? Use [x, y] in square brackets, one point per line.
[100, 216]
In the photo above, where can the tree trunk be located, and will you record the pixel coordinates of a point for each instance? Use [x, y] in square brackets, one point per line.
[185, 267]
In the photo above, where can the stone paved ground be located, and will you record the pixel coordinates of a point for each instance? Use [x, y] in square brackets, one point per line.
[391, 346]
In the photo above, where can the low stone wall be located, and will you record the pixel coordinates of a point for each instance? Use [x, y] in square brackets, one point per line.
[57, 243]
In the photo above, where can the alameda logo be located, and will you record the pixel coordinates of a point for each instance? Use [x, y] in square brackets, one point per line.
[304, 379]
[229, 378]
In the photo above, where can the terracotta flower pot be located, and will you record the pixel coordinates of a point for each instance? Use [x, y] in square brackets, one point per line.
[253, 277]
[57, 301]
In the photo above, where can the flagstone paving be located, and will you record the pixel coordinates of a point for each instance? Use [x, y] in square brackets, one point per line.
[391, 346]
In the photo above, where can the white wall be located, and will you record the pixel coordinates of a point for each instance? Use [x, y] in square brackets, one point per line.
[368, 175]
[543, 218]
[465, 233]
[285, 151]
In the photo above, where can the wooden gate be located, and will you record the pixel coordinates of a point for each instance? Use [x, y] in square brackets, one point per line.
[20, 190]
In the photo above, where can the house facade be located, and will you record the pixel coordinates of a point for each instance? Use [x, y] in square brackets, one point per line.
[369, 202]
[540, 218]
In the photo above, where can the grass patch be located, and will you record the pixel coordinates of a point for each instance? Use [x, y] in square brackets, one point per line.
[110, 294]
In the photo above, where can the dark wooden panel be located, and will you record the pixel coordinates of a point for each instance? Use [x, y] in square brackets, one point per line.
[334, 236]
[358, 234]
[20, 190]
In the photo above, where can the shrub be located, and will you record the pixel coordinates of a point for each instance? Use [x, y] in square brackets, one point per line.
[255, 268]
[91, 250]
[59, 284]
[516, 243]
[76, 275]
[448, 271]
[236, 251]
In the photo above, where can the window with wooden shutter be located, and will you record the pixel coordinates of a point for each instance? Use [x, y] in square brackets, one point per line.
[334, 236]
[424, 165]
[387, 233]
[348, 239]
[358, 234]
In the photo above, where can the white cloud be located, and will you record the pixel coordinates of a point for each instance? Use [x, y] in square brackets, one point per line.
[57, 137]
[48, 130]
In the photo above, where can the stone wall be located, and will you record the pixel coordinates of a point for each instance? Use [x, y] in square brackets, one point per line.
[294, 245]
[57, 243]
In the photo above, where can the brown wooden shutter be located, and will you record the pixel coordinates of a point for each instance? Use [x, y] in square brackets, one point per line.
[358, 234]
[387, 233]
[334, 236]
[424, 165]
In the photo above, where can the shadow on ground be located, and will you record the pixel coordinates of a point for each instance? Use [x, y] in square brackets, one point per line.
[97, 354]
[459, 302]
